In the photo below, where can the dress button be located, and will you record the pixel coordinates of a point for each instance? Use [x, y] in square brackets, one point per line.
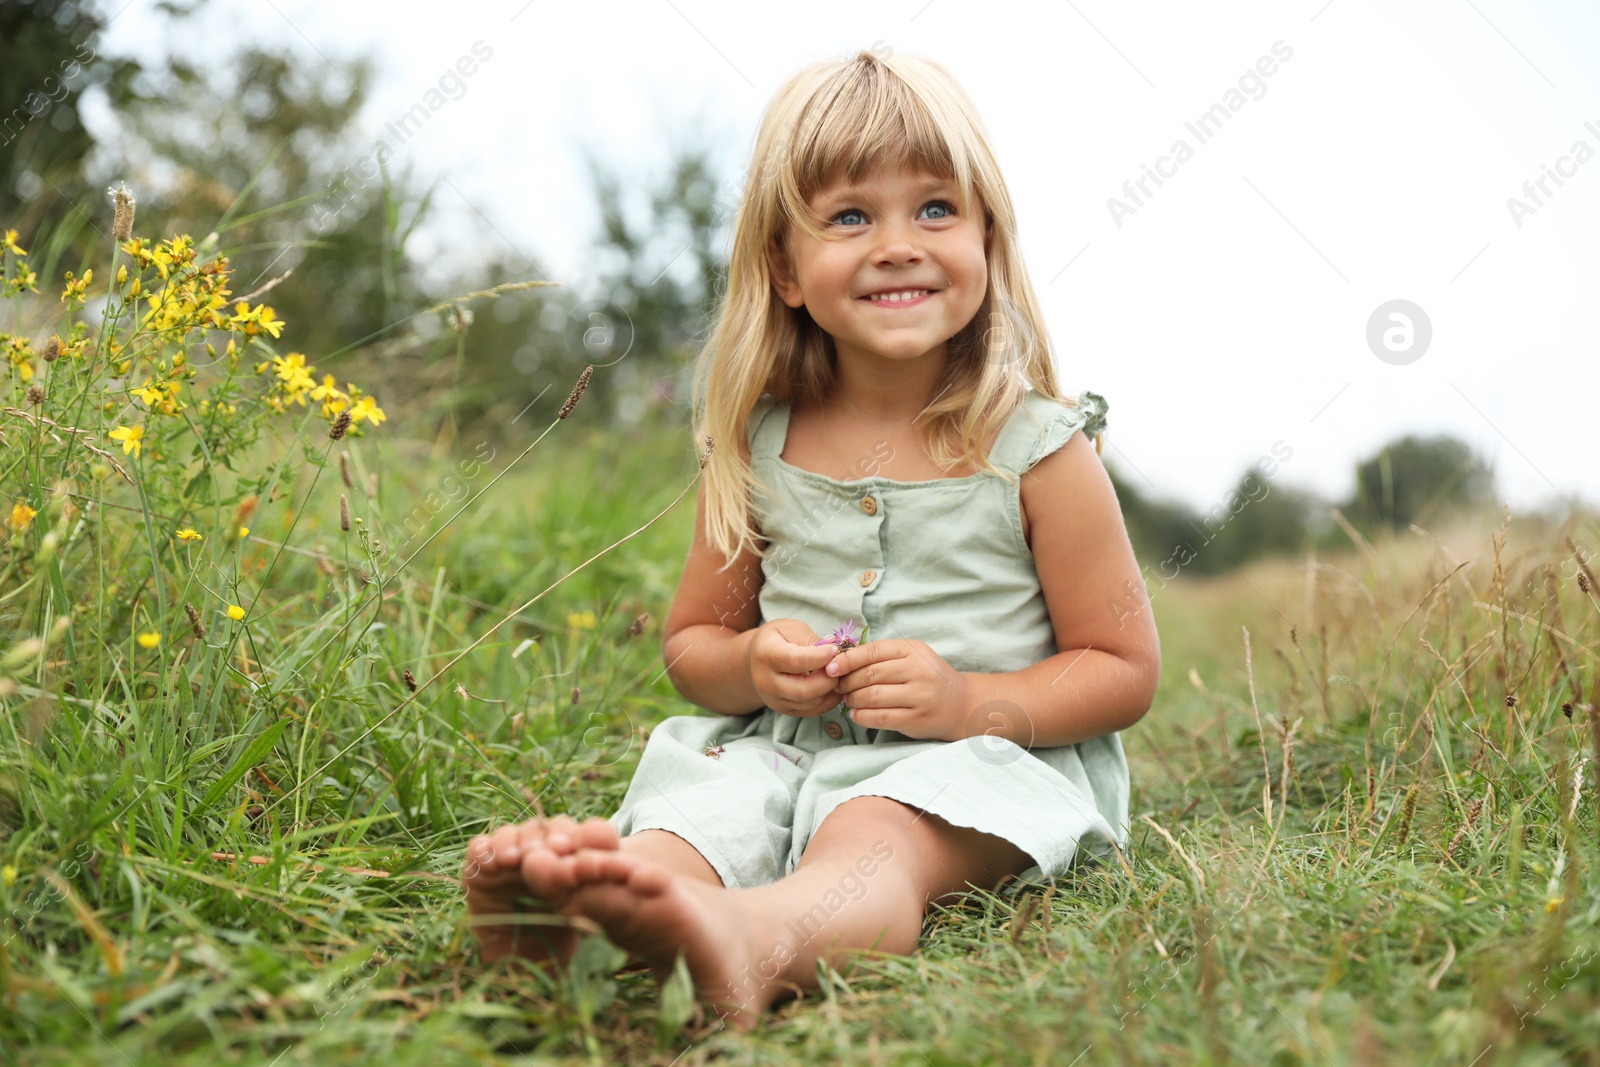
[869, 505]
[867, 576]
[833, 730]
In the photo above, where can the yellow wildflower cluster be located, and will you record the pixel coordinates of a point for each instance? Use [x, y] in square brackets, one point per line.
[191, 296]
[19, 353]
[77, 290]
[23, 279]
[160, 397]
[296, 383]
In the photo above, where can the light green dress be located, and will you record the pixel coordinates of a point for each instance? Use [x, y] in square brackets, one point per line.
[941, 561]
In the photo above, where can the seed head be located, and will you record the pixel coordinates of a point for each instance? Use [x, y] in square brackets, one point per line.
[344, 513]
[344, 470]
[636, 627]
[1511, 700]
[341, 423]
[124, 203]
[52, 348]
[577, 391]
[1409, 809]
[372, 485]
[36, 393]
[574, 694]
[705, 457]
[1583, 581]
[411, 680]
[194, 621]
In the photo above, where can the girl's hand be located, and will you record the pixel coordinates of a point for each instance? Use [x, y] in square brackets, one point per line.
[786, 669]
[905, 686]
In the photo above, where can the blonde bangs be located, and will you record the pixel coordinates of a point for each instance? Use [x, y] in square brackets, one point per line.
[862, 119]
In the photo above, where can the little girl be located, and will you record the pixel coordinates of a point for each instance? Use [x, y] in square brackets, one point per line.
[892, 457]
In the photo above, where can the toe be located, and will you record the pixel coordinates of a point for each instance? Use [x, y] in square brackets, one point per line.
[561, 833]
[547, 874]
[597, 833]
[501, 847]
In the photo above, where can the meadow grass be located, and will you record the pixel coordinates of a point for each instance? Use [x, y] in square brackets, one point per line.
[1364, 800]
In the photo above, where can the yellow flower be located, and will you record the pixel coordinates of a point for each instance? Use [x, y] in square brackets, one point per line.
[149, 640]
[11, 244]
[295, 375]
[262, 318]
[367, 408]
[129, 436]
[187, 534]
[22, 517]
[235, 612]
[269, 322]
[8, 873]
[122, 274]
[77, 289]
[150, 394]
[581, 620]
[1553, 903]
[244, 531]
[328, 388]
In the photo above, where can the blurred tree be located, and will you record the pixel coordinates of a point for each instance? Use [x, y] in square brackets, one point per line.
[1412, 479]
[259, 147]
[1257, 517]
[665, 279]
[49, 55]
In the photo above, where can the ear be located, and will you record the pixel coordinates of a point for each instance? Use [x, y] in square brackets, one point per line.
[783, 276]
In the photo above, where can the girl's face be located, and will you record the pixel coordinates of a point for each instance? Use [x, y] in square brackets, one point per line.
[896, 232]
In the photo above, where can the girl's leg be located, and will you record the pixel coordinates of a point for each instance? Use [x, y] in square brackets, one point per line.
[864, 882]
[512, 870]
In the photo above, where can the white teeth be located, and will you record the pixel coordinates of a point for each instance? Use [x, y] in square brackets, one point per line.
[907, 294]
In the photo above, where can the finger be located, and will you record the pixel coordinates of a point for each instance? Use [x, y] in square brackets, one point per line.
[877, 697]
[799, 659]
[858, 657]
[872, 674]
[880, 718]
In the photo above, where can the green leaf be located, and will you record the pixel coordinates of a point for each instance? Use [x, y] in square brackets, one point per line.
[677, 1003]
[247, 759]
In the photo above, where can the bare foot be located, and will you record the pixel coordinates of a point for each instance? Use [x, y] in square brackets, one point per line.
[526, 869]
[654, 913]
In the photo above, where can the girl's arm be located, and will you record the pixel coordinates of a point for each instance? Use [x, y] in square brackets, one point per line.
[710, 627]
[1104, 677]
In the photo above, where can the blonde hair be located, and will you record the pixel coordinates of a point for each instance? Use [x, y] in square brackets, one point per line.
[859, 114]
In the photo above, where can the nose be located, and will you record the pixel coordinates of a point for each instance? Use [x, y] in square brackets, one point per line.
[896, 247]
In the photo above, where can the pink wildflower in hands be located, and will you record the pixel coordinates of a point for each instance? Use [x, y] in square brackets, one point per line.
[844, 636]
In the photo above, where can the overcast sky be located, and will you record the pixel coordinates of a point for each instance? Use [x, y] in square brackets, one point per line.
[1229, 310]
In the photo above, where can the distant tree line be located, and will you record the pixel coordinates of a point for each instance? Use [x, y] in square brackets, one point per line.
[1410, 480]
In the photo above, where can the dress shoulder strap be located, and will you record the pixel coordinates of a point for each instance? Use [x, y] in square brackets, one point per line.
[1040, 425]
[766, 427]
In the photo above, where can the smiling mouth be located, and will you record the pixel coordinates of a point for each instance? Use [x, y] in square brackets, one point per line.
[898, 297]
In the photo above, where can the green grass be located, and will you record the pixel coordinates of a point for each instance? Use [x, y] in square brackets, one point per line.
[1337, 932]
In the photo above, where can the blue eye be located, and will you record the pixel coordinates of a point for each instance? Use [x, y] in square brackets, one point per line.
[942, 204]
